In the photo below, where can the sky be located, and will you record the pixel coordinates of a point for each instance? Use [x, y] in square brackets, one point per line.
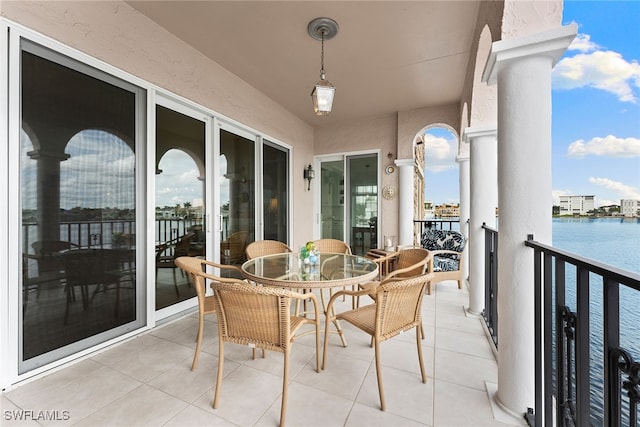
[595, 111]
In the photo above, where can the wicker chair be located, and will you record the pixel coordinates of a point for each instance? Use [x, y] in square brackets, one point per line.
[332, 246]
[259, 316]
[406, 263]
[396, 309]
[266, 247]
[447, 255]
[195, 267]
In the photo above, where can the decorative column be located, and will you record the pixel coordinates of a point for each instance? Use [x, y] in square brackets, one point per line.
[484, 199]
[522, 68]
[405, 201]
[48, 192]
[464, 185]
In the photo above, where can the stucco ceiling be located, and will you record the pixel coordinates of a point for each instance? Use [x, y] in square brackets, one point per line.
[388, 56]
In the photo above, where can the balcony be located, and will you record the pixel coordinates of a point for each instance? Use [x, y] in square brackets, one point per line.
[147, 379]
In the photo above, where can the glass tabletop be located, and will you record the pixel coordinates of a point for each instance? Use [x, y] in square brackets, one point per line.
[331, 270]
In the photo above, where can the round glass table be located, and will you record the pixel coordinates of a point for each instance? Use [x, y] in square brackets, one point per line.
[331, 271]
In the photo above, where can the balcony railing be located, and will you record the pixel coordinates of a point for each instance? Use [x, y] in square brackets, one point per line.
[570, 343]
[419, 225]
[490, 313]
[98, 234]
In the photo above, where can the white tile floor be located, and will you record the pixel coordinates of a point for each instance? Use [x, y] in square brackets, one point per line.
[147, 380]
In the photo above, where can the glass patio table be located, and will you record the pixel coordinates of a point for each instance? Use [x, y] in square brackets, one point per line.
[333, 270]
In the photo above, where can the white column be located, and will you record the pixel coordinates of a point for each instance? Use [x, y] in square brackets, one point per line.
[484, 199]
[522, 68]
[405, 201]
[464, 185]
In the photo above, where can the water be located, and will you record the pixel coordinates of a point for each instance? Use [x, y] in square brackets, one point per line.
[616, 242]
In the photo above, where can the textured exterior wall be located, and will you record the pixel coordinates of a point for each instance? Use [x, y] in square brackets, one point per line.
[368, 134]
[119, 35]
[411, 122]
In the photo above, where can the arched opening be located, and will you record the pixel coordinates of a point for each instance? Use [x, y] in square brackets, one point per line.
[441, 173]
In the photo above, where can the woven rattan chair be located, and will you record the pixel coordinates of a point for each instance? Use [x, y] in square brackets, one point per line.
[260, 316]
[396, 309]
[194, 267]
[332, 245]
[406, 263]
[265, 247]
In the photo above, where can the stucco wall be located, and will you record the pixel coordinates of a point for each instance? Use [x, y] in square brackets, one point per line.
[120, 36]
[411, 122]
[367, 134]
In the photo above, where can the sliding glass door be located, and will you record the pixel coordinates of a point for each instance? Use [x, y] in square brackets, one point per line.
[349, 200]
[180, 198]
[80, 146]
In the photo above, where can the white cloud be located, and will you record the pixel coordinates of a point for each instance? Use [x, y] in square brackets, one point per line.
[439, 153]
[601, 69]
[583, 43]
[623, 190]
[609, 146]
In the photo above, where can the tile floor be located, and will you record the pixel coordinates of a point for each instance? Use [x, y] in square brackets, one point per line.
[147, 381]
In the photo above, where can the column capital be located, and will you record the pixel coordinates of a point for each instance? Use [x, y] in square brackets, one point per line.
[473, 132]
[41, 154]
[552, 44]
[462, 158]
[404, 162]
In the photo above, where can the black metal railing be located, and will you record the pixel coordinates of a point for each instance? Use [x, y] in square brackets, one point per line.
[98, 234]
[568, 344]
[490, 312]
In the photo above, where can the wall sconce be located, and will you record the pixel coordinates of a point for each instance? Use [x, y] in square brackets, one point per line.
[309, 174]
[322, 94]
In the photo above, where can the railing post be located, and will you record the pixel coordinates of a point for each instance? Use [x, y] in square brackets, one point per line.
[583, 386]
[611, 302]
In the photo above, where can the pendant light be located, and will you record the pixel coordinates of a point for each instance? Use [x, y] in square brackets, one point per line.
[322, 94]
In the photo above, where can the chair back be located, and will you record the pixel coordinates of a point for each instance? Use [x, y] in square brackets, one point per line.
[183, 245]
[47, 254]
[411, 262]
[266, 247]
[435, 240]
[253, 315]
[195, 268]
[398, 304]
[332, 246]
[236, 244]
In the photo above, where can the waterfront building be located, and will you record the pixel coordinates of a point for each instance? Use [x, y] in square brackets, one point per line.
[100, 93]
[630, 207]
[576, 205]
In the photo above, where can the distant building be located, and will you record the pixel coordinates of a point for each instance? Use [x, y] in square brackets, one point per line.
[447, 211]
[630, 207]
[576, 205]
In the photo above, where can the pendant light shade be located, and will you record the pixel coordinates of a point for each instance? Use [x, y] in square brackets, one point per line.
[322, 94]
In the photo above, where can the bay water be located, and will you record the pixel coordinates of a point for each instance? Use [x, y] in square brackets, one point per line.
[616, 242]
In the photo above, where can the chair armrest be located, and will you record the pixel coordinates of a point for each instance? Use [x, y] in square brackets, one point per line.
[308, 296]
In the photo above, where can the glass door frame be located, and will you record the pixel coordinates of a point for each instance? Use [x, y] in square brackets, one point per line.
[197, 114]
[317, 165]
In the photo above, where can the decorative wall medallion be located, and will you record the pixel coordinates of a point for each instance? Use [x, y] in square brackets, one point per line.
[390, 169]
[389, 192]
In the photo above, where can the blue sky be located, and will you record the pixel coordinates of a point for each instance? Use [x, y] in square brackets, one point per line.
[596, 111]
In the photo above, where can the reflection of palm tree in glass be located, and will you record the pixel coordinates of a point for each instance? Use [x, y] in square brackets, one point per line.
[187, 207]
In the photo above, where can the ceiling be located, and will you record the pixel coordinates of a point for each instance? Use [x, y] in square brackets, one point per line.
[388, 56]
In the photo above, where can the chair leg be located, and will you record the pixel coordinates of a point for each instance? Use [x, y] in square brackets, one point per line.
[379, 375]
[285, 389]
[219, 376]
[422, 372]
[194, 364]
